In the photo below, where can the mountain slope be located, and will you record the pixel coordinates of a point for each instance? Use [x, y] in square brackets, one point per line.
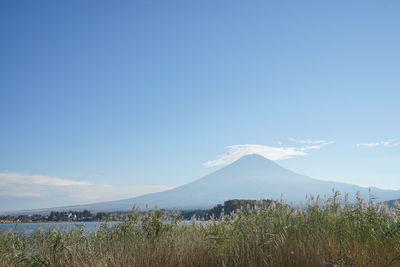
[251, 177]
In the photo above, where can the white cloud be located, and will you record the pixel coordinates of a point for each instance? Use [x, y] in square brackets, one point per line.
[310, 144]
[17, 178]
[308, 141]
[388, 143]
[237, 151]
[60, 191]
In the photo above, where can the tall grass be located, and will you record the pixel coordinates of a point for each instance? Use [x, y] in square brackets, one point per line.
[325, 233]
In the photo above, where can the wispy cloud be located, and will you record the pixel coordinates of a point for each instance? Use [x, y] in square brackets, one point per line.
[59, 191]
[387, 143]
[309, 141]
[17, 178]
[310, 144]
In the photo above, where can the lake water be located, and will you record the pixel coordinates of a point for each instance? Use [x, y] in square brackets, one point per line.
[64, 226]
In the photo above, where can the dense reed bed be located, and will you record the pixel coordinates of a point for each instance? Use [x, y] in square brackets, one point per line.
[325, 233]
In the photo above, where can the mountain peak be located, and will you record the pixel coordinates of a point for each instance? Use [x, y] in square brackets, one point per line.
[254, 157]
[254, 161]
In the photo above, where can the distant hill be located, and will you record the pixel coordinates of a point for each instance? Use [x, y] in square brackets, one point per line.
[227, 208]
[391, 203]
[250, 177]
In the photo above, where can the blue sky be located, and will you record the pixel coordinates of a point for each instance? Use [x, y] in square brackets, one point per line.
[141, 94]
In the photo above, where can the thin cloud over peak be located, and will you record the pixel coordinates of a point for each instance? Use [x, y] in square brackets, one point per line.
[235, 152]
[387, 143]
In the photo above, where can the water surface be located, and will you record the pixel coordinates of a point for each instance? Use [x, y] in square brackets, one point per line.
[64, 226]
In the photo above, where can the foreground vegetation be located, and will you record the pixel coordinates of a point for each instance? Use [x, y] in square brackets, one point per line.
[325, 233]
